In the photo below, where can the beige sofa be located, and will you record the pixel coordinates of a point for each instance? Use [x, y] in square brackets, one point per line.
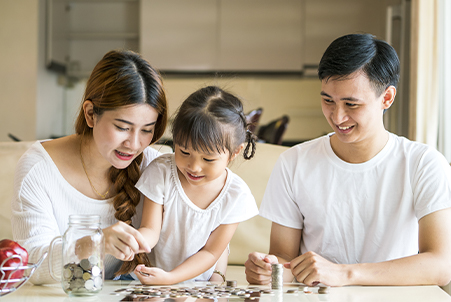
[251, 235]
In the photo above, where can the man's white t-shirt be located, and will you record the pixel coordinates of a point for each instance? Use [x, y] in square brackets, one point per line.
[357, 213]
[186, 228]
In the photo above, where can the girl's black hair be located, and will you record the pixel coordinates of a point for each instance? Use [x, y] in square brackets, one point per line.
[212, 120]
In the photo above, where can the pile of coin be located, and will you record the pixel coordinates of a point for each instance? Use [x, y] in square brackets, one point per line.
[83, 278]
[211, 292]
[277, 276]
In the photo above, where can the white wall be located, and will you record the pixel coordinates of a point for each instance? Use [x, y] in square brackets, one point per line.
[50, 96]
[31, 100]
[18, 68]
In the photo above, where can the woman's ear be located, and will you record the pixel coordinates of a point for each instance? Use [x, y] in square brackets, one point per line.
[237, 152]
[88, 109]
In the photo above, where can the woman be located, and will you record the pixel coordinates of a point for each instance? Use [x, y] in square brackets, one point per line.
[95, 170]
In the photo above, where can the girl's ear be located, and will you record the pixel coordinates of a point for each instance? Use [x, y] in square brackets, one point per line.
[237, 152]
[88, 109]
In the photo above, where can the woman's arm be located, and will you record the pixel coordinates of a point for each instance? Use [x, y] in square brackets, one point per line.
[194, 265]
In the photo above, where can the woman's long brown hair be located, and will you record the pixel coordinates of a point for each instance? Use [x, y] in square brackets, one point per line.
[124, 78]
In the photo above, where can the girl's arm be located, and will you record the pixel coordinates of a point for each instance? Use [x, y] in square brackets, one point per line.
[194, 265]
[221, 266]
[151, 220]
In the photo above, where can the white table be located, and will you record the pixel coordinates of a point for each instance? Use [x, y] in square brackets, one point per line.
[54, 292]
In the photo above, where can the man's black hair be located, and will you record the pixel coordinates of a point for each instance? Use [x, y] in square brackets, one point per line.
[348, 54]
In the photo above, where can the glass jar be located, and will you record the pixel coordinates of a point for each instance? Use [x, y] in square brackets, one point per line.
[83, 252]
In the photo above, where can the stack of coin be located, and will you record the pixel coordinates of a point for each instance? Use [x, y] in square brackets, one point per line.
[323, 290]
[277, 276]
[83, 278]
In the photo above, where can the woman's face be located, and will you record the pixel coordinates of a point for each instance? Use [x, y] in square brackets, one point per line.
[121, 135]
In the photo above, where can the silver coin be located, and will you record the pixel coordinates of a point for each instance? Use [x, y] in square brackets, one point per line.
[89, 285]
[98, 282]
[67, 274]
[78, 272]
[93, 259]
[66, 285]
[323, 290]
[85, 264]
[95, 271]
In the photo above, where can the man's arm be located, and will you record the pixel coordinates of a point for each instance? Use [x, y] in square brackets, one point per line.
[431, 266]
[284, 244]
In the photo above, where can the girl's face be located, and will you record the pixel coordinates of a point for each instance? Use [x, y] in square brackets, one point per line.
[121, 135]
[200, 168]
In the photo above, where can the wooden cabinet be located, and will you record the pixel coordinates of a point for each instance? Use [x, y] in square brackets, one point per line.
[179, 35]
[80, 32]
[205, 36]
[260, 35]
[222, 35]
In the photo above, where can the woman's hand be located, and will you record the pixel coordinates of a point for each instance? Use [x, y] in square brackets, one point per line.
[123, 241]
[153, 275]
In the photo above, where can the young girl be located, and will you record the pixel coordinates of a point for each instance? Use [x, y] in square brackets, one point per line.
[193, 207]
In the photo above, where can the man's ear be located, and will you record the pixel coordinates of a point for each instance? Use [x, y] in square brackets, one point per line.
[88, 109]
[388, 97]
[237, 152]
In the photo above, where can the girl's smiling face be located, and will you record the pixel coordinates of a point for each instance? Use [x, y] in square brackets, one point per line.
[199, 167]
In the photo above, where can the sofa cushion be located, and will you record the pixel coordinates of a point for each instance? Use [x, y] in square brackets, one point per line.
[253, 235]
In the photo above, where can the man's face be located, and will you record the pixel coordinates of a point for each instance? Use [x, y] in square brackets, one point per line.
[353, 109]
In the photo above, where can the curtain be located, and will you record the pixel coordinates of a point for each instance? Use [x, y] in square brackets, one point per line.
[444, 93]
[424, 101]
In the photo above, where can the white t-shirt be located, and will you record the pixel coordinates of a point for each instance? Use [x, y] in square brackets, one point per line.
[357, 213]
[42, 203]
[186, 228]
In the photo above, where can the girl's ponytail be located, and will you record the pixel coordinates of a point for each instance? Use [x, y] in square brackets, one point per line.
[250, 143]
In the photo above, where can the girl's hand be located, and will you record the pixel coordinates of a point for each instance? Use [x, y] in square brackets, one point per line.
[123, 241]
[153, 275]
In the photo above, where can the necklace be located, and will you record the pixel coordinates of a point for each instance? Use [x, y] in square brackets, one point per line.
[104, 196]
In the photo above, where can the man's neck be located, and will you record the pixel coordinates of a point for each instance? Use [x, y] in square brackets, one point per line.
[359, 152]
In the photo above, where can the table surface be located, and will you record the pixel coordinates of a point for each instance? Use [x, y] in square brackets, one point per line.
[54, 292]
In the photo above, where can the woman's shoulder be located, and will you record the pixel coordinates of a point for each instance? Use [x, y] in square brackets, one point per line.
[35, 165]
[34, 155]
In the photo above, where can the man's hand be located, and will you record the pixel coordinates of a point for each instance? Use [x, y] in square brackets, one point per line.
[153, 275]
[258, 268]
[312, 269]
[123, 241]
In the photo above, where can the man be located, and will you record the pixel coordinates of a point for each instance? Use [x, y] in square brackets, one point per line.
[360, 205]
